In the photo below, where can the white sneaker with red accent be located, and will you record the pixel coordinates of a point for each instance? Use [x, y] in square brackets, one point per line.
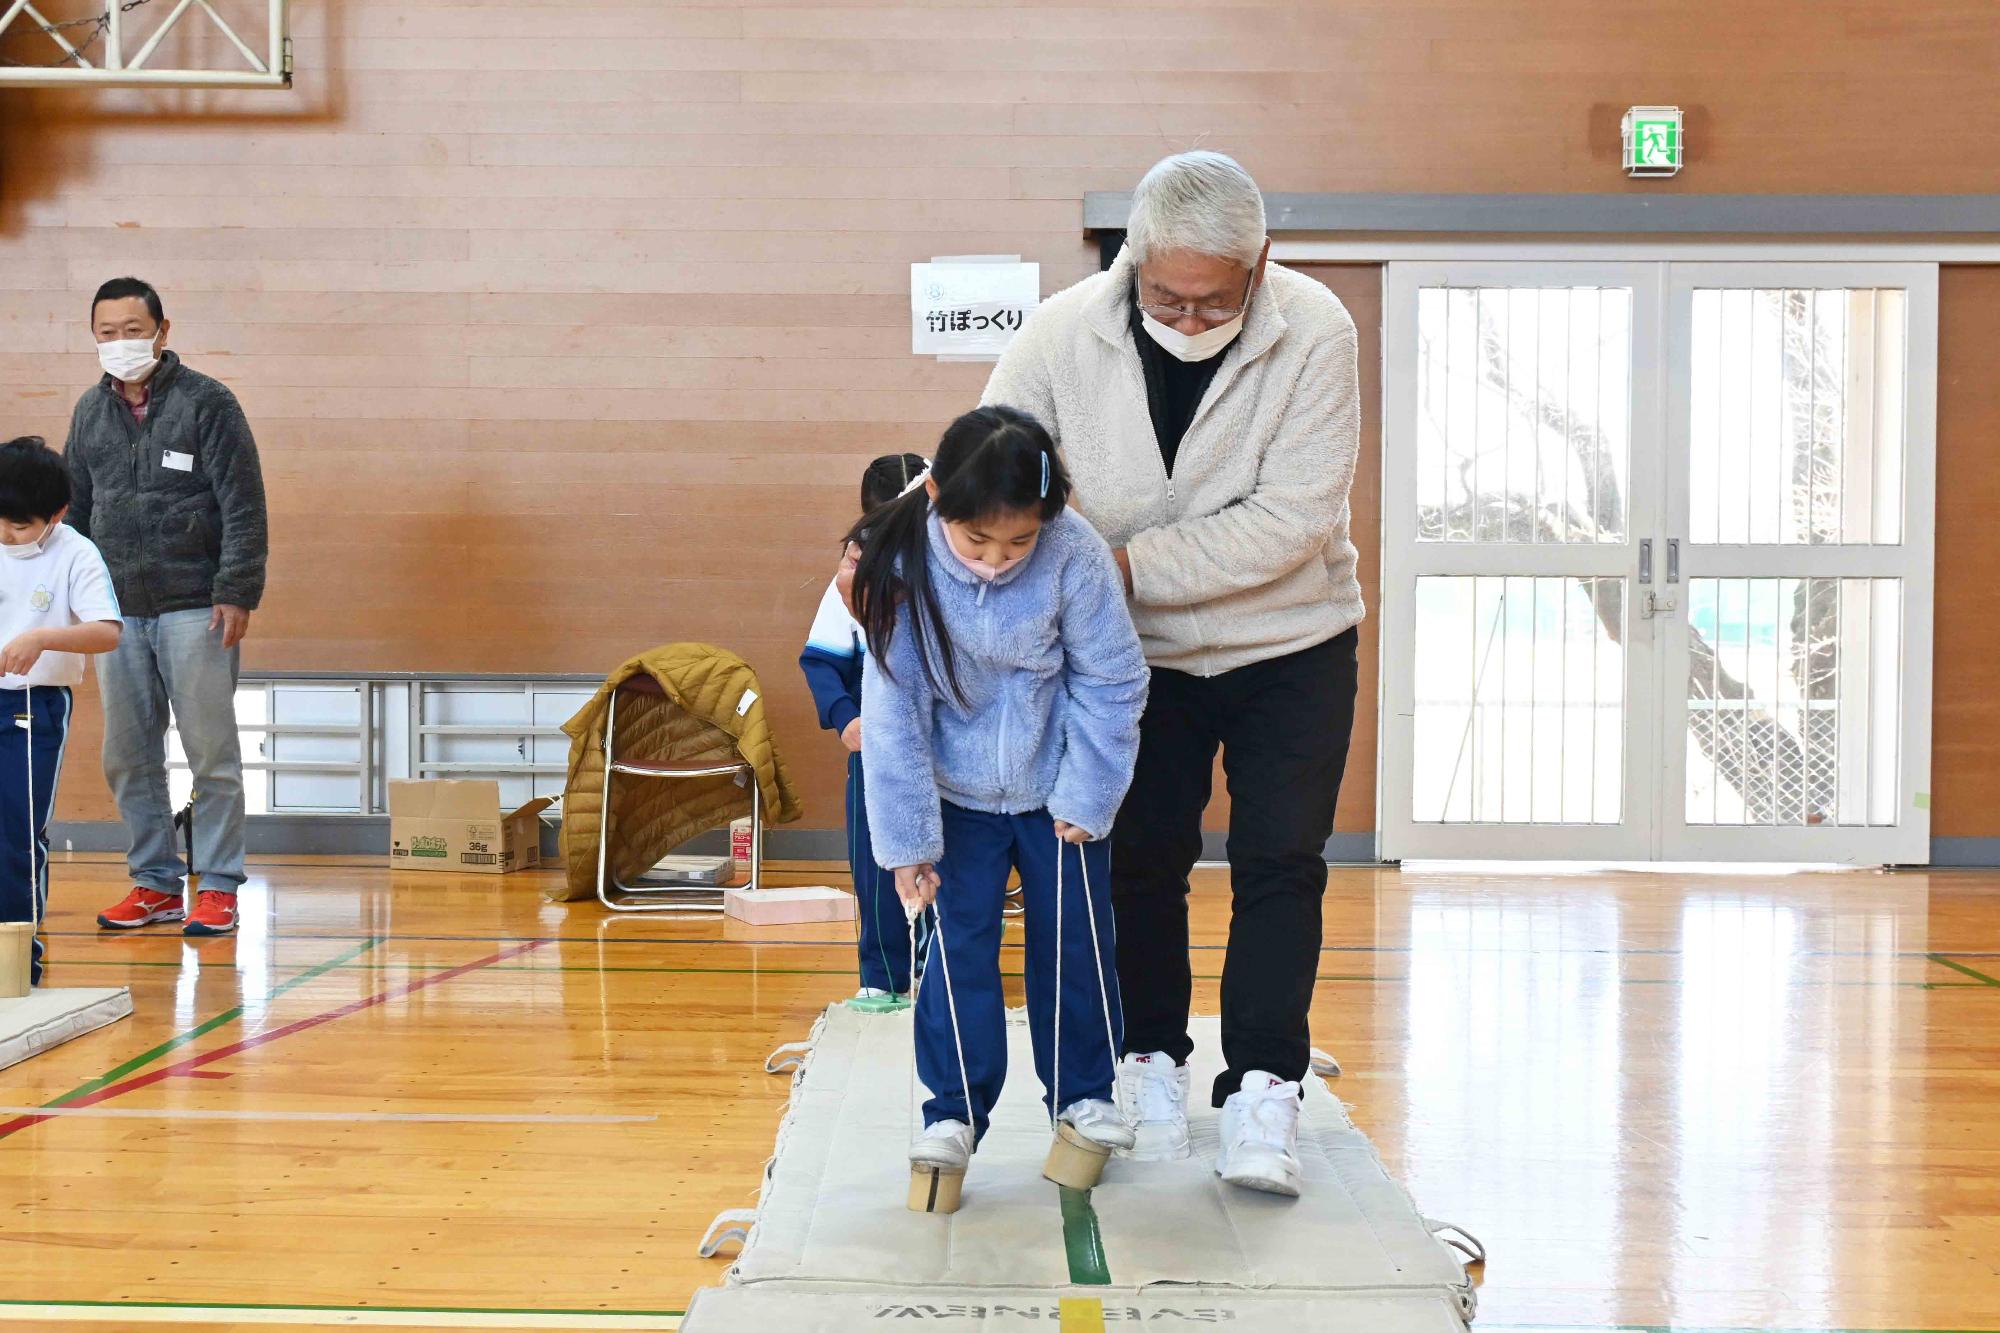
[1154, 1092]
[1260, 1136]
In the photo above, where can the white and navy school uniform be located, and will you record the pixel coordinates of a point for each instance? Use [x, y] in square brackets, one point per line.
[835, 649]
[65, 584]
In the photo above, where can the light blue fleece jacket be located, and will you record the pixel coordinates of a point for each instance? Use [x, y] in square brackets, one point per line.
[1053, 684]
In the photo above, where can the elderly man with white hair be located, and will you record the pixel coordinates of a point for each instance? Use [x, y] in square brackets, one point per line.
[1207, 404]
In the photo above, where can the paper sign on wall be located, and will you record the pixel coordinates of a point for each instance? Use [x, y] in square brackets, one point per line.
[970, 307]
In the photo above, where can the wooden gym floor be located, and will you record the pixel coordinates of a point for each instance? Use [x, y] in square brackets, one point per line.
[1749, 1102]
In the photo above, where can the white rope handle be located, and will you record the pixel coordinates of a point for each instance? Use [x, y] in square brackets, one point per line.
[1103, 988]
[951, 1006]
[34, 843]
[910, 915]
[1055, 1040]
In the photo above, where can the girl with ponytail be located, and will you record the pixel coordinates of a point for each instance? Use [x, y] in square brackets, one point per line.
[1000, 722]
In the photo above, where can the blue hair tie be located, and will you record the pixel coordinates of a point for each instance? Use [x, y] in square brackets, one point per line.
[1045, 475]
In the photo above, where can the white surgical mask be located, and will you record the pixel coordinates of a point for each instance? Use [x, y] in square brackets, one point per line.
[1192, 347]
[127, 359]
[29, 550]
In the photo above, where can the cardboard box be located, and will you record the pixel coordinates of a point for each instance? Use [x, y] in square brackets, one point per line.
[458, 826]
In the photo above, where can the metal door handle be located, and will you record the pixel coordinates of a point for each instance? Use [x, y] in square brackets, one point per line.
[1645, 561]
[1673, 559]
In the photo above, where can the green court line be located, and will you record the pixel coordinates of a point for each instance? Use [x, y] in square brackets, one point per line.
[1016, 945]
[1082, 1241]
[1979, 977]
[201, 1030]
[340, 1309]
[655, 971]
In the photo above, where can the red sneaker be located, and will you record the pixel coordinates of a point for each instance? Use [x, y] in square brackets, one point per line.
[214, 914]
[142, 907]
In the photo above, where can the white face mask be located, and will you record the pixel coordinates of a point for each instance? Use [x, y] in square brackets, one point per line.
[127, 359]
[1192, 347]
[29, 550]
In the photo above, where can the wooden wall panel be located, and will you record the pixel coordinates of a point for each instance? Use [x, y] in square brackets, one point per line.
[1965, 717]
[567, 330]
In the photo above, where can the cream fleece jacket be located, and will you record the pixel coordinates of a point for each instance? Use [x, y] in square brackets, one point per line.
[1243, 553]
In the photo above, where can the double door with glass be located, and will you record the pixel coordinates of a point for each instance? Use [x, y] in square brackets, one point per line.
[1657, 561]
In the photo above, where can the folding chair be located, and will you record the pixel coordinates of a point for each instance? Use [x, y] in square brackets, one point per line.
[666, 897]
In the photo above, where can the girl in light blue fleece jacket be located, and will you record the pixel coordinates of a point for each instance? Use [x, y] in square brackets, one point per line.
[1000, 721]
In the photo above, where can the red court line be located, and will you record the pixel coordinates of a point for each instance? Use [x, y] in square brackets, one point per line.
[194, 1063]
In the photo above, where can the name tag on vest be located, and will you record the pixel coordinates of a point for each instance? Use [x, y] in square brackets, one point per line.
[178, 462]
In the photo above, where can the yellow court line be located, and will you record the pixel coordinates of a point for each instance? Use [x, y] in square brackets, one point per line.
[1081, 1314]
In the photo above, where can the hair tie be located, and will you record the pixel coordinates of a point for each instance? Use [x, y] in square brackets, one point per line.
[1045, 474]
[915, 481]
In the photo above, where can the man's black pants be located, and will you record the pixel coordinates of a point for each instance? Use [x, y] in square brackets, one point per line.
[1283, 726]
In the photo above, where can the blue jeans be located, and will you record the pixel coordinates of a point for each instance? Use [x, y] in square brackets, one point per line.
[964, 965]
[175, 661]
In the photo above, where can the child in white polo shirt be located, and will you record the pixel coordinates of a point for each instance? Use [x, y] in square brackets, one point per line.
[56, 606]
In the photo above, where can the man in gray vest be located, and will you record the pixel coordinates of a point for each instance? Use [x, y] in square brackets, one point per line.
[167, 483]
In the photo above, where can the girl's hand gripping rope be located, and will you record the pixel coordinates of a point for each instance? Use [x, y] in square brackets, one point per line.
[1070, 833]
[917, 886]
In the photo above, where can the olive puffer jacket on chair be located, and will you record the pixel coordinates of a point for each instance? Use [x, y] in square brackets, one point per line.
[708, 708]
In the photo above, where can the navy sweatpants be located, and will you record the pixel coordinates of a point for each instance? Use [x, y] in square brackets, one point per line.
[964, 965]
[25, 805]
[885, 938]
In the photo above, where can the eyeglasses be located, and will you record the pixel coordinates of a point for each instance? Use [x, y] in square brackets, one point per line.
[1207, 314]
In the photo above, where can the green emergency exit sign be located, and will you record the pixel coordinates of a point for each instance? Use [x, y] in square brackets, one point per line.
[1654, 141]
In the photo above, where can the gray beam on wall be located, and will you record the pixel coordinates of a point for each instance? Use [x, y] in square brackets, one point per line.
[368, 835]
[1616, 214]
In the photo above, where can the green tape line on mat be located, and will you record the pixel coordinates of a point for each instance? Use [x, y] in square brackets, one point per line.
[1082, 1240]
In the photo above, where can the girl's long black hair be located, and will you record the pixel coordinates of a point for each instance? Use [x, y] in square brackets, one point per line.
[992, 460]
[887, 477]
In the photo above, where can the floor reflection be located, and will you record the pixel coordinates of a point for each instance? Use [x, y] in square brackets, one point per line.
[1685, 1088]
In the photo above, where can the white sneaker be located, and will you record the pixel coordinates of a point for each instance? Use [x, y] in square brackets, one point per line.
[1260, 1136]
[871, 993]
[1157, 1091]
[1100, 1122]
[946, 1145]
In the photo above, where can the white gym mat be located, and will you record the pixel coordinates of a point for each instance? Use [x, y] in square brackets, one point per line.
[833, 1247]
[1083, 1310]
[51, 1016]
